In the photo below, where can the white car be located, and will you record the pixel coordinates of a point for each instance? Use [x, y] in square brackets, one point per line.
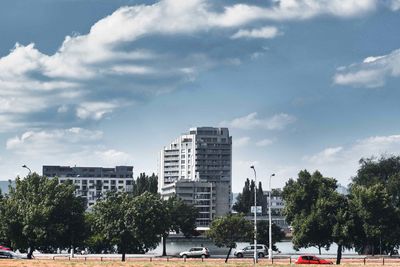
[262, 250]
[195, 252]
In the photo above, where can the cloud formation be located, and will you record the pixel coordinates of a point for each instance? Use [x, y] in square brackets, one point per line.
[372, 72]
[263, 33]
[66, 146]
[251, 121]
[341, 162]
[264, 142]
[90, 74]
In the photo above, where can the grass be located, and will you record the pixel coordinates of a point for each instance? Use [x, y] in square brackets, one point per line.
[159, 263]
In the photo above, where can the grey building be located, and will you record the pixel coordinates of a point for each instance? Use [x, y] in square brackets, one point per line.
[93, 182]
[199, 164]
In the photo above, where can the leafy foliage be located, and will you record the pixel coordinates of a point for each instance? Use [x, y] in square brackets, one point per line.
[133, 224]
[181, 218]
[245, 200]
[41, 213]
[310, 208]
[263, 234]
[226, 231]
[145, 183]
[375, 198]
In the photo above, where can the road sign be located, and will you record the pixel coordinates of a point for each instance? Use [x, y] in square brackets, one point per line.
[259, 209]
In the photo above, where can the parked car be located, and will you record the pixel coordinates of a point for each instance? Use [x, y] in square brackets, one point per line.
[4, 248]
[7, 254]
[262, 250]
[195, 252]
[308, 259]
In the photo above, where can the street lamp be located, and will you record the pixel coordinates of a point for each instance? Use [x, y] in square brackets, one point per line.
[255, 214]
[269, 215]
[26, 167]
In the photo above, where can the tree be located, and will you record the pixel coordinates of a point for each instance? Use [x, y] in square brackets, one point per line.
[379, 178]
[145, 183]
[40, 213]
[245, 200]
[242, 204]
[180, 218]
[347, 226]
[379, 219]
[310, 209]
[226, 231]
[95, 241]
[133, 224]
[263, 234]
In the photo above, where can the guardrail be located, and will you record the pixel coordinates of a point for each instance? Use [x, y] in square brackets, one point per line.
[379, 260]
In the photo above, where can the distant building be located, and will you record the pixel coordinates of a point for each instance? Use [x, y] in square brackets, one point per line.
[277, 207]
[197, 167]
[93, 182]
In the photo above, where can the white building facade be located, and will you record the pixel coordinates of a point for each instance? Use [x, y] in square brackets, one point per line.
[92, 183]
[197, 167]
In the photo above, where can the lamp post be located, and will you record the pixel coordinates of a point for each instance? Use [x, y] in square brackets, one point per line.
[269, 217]
[26, 167]
[255, 214]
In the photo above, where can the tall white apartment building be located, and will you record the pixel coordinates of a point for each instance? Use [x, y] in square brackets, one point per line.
[197, 167]
[92, 183]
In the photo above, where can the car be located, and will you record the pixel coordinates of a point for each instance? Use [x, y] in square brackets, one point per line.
[7, 254]
[309, 259]
[4, 248]
[262, 250]
[195, 252]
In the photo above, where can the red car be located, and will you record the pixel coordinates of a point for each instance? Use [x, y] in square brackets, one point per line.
[4, 248]
[306, 259]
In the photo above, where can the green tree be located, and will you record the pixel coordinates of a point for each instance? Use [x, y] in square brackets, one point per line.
[245, 200]
[263, 234]
[242, 204]
[383, 172]
[145, 183]
[347, 226]
[95, 241]
[181, 218]
[40, 213]
[310, 209]
[380, 220]
[226, 231]
[133, 224]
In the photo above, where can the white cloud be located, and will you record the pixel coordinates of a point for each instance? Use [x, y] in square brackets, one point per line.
[251, 121]
[87, 68]
[263, 33]
[372, 72]
[40, 142]
[65, 147]
[394, 5]
[342, 162]
[95, 110]
[242, 141]
[264, 142]
[113, 157]
[327, 155]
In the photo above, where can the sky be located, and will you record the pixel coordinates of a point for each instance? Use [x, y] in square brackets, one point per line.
[301, 84]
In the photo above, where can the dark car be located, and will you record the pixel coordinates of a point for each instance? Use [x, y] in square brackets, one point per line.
[6, 254]
[308, 259]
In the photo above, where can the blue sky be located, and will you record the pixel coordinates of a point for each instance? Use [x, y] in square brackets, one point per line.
[306, 84]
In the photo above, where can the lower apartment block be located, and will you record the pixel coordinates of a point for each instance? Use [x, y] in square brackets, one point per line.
[92, 183]
[211, 199]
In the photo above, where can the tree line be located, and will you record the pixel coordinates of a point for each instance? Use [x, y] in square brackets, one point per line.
[366, 219]
[43, 214]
